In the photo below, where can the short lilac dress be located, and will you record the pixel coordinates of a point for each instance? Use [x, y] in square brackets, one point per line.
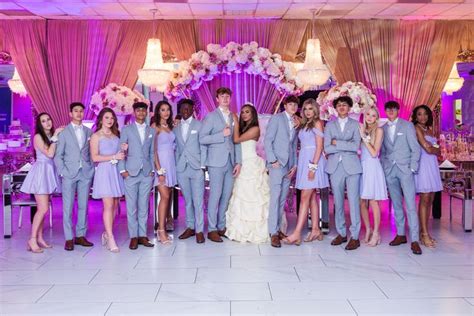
[107, 179]
[306, 154]
[372, 181]
[165, 146]
[42, 177]
[428, 178]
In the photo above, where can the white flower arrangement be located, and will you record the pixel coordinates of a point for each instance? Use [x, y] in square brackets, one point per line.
[361, 96]
[119, 98]
[232, 58]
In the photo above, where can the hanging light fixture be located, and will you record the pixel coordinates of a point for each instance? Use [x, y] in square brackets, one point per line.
[154, 73]
[454, 82]
[314, 72]
[16, 85]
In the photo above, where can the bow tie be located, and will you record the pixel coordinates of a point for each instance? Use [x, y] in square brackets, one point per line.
[77, 127]
[391, 123]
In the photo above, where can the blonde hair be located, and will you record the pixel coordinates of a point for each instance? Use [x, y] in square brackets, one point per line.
[372, 130]
[305, 123]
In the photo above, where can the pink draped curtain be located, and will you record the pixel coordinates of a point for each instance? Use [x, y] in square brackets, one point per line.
[245, 88]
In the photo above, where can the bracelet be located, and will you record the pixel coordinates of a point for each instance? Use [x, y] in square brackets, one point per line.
[161, 171]
[435, 145]
[312, 166]
[114, 161]
[54, 139]
[366, 139]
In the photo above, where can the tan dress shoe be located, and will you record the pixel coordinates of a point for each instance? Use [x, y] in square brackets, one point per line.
[69, 245]
[214, 236]
[133, 243]
[82, 241]
[415, 248]
[222, 232]
[187, 233]
[200, 238]
[338, 240]
[398, 240]
[145, 242]
[275, 240]
[353, 244]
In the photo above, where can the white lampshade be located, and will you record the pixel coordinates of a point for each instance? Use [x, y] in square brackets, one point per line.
[454, 82]
[155, 73]
[314, 72]
[16, 85]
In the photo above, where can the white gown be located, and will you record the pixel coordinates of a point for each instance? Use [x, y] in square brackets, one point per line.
[247, 215]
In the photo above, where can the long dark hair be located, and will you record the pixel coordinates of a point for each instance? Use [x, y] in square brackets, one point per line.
[40, 130]
[429, 123]
[157, 117]
[98, 123]
[243, 126]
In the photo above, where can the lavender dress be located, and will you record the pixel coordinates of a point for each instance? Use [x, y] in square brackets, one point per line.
[165, 145]
[107, 179]
[372, 182]
[428, 178]
[42, 177]
[307, 150]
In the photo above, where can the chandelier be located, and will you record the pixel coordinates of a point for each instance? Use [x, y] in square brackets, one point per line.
[314, 72]
[16, 85]
[454, 82]
[154, 73]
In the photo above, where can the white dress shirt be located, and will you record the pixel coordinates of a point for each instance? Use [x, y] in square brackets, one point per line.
[226, 114]
[342, 122]
[391, 129]
[185, 127]
[290, 124]
[79, 131]
[141, 131]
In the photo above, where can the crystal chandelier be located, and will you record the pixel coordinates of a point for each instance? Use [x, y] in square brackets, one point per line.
[16, 85]
[154, 73]
[314, 72]
[454, 82]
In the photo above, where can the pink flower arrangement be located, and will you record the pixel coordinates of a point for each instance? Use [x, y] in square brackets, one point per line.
[119, 98]
[232, 58]
[362, 97]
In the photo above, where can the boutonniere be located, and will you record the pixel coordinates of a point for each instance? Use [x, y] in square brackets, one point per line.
[193, 132]
[399, 134]
[150, 136]
[89, 139]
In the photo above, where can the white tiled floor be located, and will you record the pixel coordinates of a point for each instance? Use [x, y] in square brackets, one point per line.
[237, 279]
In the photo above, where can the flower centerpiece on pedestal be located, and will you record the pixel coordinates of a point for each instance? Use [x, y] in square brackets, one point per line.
[119, 98]
[361, 96]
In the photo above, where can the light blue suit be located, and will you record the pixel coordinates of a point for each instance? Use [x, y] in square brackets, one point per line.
[281, 147]
[75, 166]
[400, 159]
[344, 169]
[222, 156]
[139, 164]
[190, 157]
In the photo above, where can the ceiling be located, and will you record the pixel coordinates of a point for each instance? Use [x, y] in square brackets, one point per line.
[235, 9]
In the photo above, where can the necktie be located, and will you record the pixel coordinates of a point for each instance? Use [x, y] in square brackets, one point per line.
[78, 131]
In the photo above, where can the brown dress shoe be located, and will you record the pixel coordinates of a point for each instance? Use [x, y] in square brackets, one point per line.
[214, 236]
[82, 241]
[415, 248]
[281, 235]
[353, 244]
[398, 240]
[338, 240]
[145, 242]
[69, 245]
[222, 232]
[275, 239]
[187, 233]
[133, 243]
[200, 238]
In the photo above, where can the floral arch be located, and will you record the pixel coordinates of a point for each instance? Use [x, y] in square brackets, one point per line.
[253, 73]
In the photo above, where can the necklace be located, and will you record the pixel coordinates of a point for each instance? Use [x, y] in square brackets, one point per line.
[164, 125]
[105, 133]
[424, 128]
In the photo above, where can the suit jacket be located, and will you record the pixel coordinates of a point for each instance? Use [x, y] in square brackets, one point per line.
[404, 151]
[190, 151]
[219, 148]
[139, 156]
[346, 148]
[69, 157]
[278, 144]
